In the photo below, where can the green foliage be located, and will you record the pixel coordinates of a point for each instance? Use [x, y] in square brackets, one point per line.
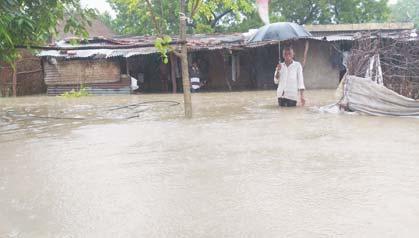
[330, 11]
[219, 15]
[82, 92]
[30, 22]
[161, 17]
[137, 17]
[163, 46]
[250, 21]
[203, 28]
[406, 11]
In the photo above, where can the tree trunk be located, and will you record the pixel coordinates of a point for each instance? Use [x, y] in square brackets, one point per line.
[185, 67]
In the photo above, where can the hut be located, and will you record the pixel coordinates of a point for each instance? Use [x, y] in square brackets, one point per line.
[227, 62]
[30, 76]
[107, 65]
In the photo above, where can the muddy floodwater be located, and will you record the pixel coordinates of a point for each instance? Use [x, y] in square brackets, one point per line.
[132, 166]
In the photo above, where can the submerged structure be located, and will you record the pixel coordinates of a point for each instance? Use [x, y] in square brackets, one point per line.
[382, 77]
[226, 62]
[369, 97]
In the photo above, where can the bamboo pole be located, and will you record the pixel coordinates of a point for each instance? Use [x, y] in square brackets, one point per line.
[14, 83]
[185, 67]
[173, 65]
[305, 53]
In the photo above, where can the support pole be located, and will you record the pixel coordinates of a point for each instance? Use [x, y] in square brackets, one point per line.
[14, 83]
[226, 67]
[173, 64]
[305, 53]
[184, 58]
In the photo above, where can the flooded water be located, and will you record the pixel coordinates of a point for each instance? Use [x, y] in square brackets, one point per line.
[119, 167]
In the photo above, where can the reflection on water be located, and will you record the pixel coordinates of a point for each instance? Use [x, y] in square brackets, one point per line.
[116, 167]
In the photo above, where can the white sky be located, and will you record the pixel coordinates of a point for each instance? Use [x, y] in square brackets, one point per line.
[100, 5]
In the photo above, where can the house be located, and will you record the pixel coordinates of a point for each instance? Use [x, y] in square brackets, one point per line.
[29, 70]
[227, 61]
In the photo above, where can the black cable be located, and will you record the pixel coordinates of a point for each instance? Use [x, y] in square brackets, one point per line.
[172, 103]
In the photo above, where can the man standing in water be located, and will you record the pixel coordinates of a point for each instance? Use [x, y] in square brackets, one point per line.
[289, 77]
[195, 75]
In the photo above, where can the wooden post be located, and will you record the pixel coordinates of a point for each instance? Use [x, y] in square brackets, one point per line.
[127, 67]
[129, 75]
[173, 64]
[233, 68]
[185, 67]
[305, 53]
[14, 83]
[226, 75]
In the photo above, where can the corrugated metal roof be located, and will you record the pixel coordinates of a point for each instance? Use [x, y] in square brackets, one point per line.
[408, 35]
[195, 43]
[360, 27]
[333, 38]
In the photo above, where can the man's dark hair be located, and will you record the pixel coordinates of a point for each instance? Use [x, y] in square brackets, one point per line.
[288, 48]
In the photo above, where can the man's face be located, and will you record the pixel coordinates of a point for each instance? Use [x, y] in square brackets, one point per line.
[288, 55]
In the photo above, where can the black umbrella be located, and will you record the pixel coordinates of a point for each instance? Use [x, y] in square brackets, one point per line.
[279, 31]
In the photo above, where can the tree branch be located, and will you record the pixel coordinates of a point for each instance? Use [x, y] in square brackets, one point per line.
[310, 15]
[153, 17]
[217, 18]
[195, 7]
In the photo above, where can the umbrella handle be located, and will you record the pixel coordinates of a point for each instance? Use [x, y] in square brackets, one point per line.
[279, 50]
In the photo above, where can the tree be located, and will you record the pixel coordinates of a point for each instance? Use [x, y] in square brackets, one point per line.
[249, 21]
[327, 11]
[29, 22]
[406, 11]
[143, 17]
[219, 15]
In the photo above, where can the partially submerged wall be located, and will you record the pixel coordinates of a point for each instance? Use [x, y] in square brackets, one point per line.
[98, 76]
[65, 72]
[319, 72]
[265, 60]
[29, 76]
